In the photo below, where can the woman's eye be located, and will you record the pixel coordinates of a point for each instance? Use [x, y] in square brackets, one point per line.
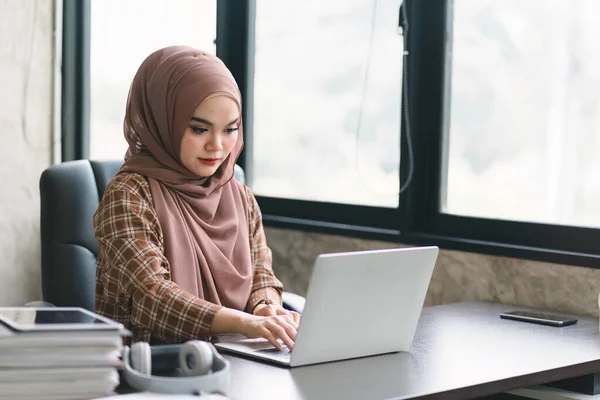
[231, 130]
[196, 129]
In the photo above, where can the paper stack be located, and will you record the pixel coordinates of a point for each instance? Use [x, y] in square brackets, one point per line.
[73, 364]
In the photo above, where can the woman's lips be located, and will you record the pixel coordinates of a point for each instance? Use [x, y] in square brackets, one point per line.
[209, 161]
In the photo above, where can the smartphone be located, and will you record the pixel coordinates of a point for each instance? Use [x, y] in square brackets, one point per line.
[27, 319]
[539, 318]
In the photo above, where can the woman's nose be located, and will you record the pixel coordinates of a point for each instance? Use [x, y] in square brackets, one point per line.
[215, 143]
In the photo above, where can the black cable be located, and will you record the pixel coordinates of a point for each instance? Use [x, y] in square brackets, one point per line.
[409, 146]
[402, 23]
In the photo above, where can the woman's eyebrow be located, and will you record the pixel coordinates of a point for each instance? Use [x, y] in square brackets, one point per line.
[207, 122]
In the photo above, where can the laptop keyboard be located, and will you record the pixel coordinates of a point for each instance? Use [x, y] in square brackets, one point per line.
[272, 350]
[260, 347]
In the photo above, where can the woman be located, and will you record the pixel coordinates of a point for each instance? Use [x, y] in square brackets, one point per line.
[182, 252]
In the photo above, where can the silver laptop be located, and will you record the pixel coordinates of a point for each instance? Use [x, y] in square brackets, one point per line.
[358, 304]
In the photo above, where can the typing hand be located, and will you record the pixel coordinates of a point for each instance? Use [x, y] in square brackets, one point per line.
[267, 310]
[275, 328]
[274, 323]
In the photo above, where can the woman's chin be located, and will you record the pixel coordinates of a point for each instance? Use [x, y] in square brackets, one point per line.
[201, 170]
[205, 171]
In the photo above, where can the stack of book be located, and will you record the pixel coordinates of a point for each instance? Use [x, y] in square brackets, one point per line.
[41, 360]
[548, 393]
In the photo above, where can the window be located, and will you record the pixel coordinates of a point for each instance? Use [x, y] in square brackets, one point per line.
[462, 134]
[123, 34]
[503, 113]
[327, 98]
[523, 111]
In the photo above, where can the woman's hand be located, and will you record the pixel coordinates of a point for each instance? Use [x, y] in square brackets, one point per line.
[277, 317]
[271, 327]
[276, 309]
[273, 323]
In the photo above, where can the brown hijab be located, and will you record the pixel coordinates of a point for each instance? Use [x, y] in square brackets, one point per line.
[204, 219]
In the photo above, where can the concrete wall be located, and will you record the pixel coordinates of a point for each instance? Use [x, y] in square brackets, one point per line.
[26, 79]
[458, 276]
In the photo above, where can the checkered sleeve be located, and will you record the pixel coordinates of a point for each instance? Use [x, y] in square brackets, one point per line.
[133, 273]
[264, 283]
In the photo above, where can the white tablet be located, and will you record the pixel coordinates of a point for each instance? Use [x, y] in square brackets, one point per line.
[28, 319]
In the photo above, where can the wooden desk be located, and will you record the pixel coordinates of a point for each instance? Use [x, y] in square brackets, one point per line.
[460, 351]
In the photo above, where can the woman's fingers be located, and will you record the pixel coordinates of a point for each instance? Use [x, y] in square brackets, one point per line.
[278, 325]
[296, 317]
[281, 310]
[291, 328]
[274, 329]
[289, 319]
[267, 334]
[283, 331]
[292, 316]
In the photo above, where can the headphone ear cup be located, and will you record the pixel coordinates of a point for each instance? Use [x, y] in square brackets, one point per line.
[141, 358]
[195, 358]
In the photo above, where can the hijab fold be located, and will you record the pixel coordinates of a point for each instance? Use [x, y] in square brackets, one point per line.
[203, 219]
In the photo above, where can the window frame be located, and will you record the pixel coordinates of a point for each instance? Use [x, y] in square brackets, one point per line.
[417, 219]
[75, 80]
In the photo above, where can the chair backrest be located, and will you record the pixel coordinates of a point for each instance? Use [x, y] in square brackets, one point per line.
[70, 194]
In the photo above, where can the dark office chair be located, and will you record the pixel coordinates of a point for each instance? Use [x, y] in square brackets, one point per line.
[70, 193]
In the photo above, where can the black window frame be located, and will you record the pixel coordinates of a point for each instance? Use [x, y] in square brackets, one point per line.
[75, 80]
[417, 219]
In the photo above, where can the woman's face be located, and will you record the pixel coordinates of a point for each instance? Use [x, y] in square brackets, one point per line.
[210, 135]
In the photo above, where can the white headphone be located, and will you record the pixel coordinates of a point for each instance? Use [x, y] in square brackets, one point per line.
[194, 367]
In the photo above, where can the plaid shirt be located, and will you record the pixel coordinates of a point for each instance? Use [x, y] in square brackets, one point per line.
[133, 281]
